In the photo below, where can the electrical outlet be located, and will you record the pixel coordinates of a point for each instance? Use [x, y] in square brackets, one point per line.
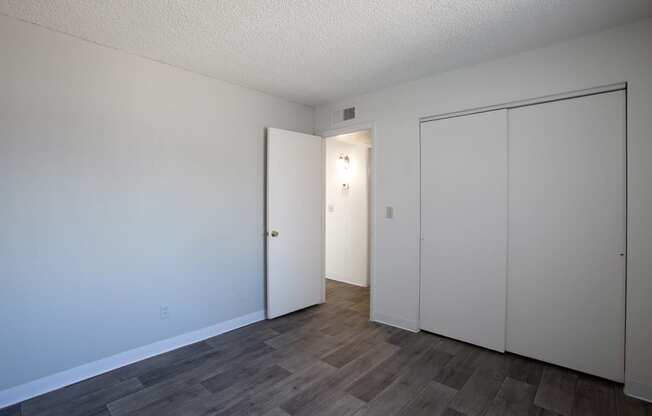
[165, 312]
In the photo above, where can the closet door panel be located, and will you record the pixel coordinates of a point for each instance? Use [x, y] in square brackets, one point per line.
[464, 228]
[566, 273]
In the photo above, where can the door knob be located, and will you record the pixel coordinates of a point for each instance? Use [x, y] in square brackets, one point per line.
[274, 233]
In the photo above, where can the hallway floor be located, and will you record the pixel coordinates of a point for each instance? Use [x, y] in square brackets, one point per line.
[330, 360]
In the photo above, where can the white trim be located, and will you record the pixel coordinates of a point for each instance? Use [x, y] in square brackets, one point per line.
[408, 325]
[323, 219]
[420, 235]
[344, 280]
[56, 381]
[532, 101]
[638, 390]
[348, 129]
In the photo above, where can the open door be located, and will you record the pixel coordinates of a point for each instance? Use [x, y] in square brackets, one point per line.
[295, 232]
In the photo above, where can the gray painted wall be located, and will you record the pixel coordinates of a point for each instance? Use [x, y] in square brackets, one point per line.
[125, 185]
[617, 55]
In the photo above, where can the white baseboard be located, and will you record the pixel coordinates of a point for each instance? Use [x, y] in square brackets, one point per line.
[343, 280]
[638, 390]
[56, 381]
[408, 325]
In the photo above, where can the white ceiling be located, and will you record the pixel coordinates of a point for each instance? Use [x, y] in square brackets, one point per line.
[312, 51]
[362, 137]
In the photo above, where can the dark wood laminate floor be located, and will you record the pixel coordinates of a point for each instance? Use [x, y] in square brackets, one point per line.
[330, 360]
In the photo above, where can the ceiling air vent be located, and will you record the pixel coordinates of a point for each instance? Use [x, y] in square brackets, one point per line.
[344, 114]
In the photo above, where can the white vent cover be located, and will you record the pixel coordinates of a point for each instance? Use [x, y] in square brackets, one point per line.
[343, 114]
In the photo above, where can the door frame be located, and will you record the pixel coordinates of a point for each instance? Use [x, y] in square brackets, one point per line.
[352, 128]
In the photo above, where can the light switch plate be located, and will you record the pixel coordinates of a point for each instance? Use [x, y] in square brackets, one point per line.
[389, 212]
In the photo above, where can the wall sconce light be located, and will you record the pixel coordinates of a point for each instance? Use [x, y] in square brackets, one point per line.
[344, 163]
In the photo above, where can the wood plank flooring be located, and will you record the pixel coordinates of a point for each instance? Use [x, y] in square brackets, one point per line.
[330, 360]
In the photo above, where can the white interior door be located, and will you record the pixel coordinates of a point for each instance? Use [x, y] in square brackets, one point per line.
[566, 276]
[464, 227]
[295, 210]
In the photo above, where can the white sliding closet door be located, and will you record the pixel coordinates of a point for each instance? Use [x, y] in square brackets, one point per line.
[464, 227]
[566, 273]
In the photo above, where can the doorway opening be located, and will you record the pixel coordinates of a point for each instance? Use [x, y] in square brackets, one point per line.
[347, 265]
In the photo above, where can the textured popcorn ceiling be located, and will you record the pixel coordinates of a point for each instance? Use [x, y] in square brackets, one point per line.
[311, 51]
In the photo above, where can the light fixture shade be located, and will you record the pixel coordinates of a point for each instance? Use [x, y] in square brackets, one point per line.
[344, 161]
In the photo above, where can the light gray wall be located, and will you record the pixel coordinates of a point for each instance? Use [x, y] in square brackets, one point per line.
[125, 185]
[617, 55]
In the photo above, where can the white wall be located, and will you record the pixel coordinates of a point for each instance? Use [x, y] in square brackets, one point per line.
[617, 55]
[125, 185]
[347, 214]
